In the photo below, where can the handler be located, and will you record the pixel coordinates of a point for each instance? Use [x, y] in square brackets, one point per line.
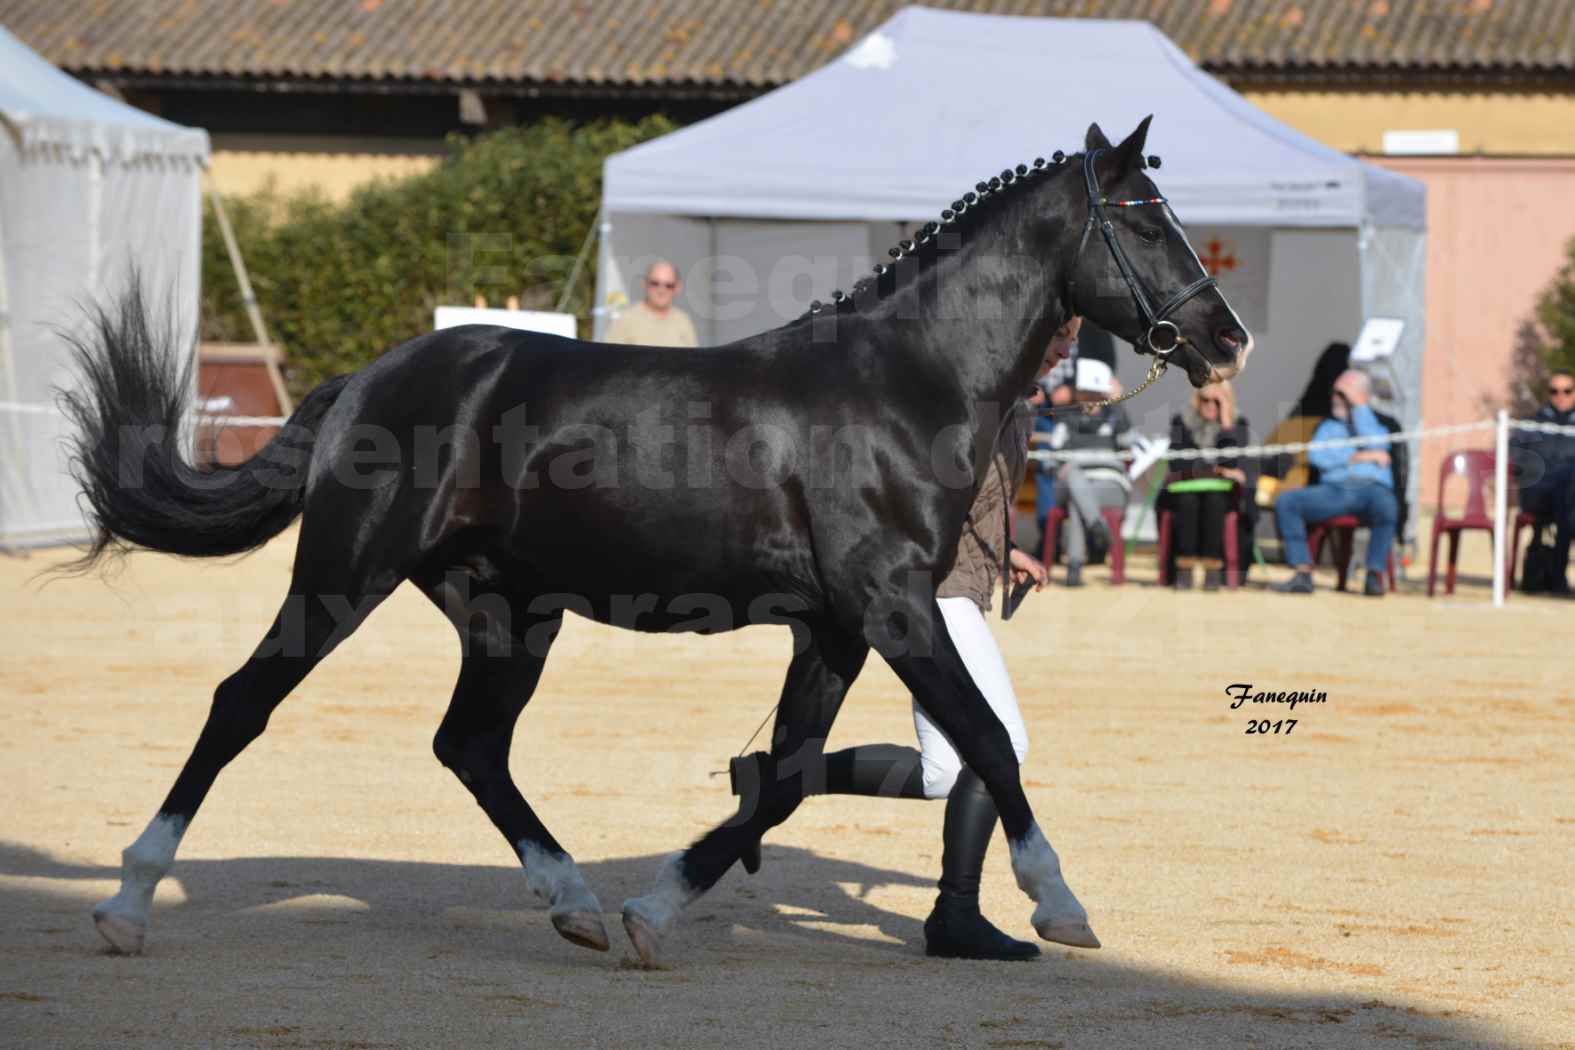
[956, 928]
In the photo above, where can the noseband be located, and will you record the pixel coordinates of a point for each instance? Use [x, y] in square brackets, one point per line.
[1162, 335]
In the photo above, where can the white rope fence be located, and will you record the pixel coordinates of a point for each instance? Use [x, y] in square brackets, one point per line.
[27, 409]
[242, 421]
[23, 409]
[1155, 450]
[1284, 448]
[1501, 426]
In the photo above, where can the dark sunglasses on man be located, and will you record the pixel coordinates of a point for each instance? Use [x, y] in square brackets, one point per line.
[669, 285]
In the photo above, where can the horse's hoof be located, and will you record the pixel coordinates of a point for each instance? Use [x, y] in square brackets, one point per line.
[751, 857]
[124, 934]
[1074, 932]
[645, 938]
[584, 928]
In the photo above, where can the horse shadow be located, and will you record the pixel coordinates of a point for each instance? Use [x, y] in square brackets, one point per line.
[820, 898]
[813, 922]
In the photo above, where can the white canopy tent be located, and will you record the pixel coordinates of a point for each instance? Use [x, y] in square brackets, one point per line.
[89, 187]
[797, 193]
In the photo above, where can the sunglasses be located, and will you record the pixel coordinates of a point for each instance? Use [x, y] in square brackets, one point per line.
[663, 284]
[1216, 402]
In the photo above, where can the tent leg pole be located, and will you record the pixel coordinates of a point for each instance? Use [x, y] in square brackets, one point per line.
[238, 264]
[579, 261]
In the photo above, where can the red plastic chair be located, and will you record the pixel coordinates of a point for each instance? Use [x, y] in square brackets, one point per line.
[1232, 547]
[1343, 529]
[1476, 466]
[1112, 516]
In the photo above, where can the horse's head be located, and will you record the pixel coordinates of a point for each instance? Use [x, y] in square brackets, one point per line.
[1136, 275]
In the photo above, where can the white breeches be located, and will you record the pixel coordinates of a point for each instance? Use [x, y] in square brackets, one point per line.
[980, 655]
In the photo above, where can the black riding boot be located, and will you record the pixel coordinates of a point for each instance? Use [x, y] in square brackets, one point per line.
[882, 770]
[956, 929]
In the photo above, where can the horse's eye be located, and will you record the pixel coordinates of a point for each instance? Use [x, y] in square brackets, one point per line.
[1151, 234]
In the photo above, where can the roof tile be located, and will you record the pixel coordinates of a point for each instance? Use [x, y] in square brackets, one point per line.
[750, 44]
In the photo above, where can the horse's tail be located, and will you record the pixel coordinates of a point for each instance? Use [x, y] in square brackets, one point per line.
[131, 413]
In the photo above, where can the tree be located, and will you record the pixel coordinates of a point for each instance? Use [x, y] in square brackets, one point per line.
[504, 214]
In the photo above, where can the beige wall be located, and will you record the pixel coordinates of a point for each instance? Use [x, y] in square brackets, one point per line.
[1499, 216]
[1502, 123]
[1497, 231]
[335, 166]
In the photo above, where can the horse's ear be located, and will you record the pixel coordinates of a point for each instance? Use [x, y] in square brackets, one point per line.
[1095, 139]
[1130, 153]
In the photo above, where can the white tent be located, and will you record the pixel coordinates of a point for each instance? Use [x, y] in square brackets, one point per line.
[88, 187]
[797, 193]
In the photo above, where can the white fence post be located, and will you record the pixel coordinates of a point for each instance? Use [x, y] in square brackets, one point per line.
[1500, 504]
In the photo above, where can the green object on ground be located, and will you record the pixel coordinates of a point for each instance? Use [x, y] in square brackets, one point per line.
[1200, 485]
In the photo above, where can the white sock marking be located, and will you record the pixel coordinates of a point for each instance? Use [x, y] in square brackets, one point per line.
[667, 898]
[556, 879]
[1038, 872]
[142, 865]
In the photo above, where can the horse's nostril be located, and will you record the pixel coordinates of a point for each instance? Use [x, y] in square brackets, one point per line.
[1235, 343]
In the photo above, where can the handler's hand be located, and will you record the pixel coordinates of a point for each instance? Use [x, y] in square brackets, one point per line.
[1026, 567]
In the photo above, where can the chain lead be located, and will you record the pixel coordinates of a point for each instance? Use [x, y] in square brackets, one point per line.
[1155, 370]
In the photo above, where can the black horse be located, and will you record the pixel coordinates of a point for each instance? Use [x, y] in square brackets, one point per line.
[816, 475]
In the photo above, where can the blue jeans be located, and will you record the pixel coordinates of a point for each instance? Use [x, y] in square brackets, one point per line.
[1044, 498]
[1373, 504]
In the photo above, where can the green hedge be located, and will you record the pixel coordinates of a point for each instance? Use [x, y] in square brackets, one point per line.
[1542, 342]
[1556, 314]
[504, 214]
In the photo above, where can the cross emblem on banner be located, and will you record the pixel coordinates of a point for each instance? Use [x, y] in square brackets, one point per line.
[1218, 258]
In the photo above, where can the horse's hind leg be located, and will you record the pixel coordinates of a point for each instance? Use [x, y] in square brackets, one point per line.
[307, 627]
[930, 665]
[817, 682]
[505, 649]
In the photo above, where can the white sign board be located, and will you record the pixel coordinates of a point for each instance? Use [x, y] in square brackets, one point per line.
[1380, 336]
[1443, 141]
[524, 320]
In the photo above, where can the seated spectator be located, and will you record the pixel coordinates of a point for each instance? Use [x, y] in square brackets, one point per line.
[1054, 391]
[1356, 481]
[655, 321]
[1303, 418]
[1199, 492]
[1088, 486]
[1543, 466]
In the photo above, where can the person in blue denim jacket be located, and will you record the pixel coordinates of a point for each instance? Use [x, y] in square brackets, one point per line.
[1355, 481]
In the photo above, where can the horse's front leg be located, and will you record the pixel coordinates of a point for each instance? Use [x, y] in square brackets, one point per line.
[817, 682]
[915, 642]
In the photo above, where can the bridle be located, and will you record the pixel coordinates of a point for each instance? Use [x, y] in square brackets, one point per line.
[1162, 335]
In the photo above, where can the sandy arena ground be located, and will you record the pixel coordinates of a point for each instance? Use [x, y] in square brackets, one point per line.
[1395, 873]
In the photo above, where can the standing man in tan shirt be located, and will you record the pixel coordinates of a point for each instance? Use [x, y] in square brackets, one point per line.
[655, 321]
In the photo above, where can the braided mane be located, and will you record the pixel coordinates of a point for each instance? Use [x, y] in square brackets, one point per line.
[963, 214]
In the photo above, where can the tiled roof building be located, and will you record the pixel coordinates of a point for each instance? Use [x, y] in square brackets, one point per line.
[728, 48]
